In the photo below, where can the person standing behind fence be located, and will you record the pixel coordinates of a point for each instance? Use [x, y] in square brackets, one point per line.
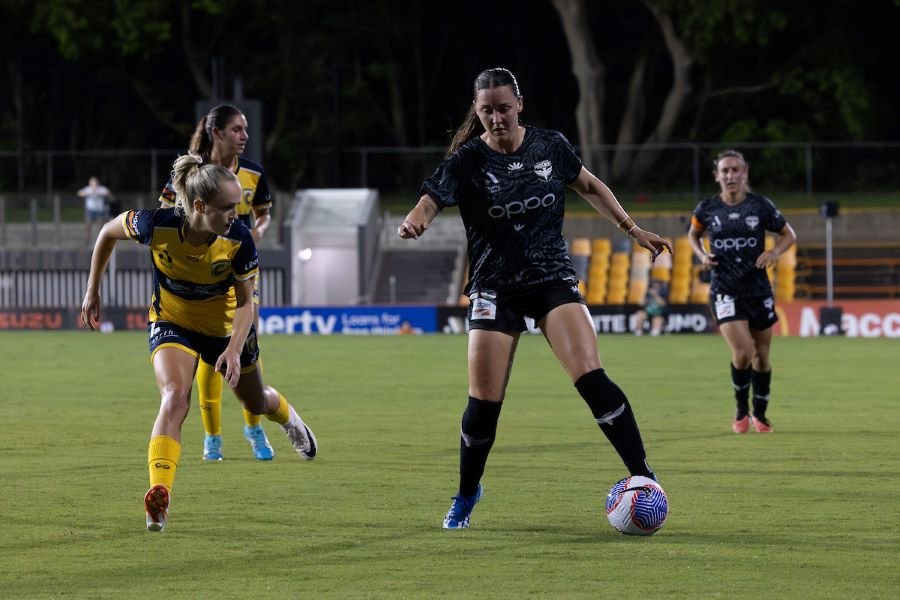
[220, 138]
[509, 182]
[204, 261]
[736, 221]
[96, 210]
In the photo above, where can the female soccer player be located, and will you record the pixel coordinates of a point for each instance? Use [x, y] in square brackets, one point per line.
[736, 222]
[204, 261]
[509, 183]
[220, 138]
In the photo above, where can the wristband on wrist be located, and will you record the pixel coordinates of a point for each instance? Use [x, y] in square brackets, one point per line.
[627, 224]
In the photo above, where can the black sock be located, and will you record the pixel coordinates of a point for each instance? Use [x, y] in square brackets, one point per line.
[740, 380]
[613, 414]
[761, 385]
[477, 434]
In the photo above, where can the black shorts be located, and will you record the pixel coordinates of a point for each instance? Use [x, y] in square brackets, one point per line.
[758, 311]
[506, 311]
[208, 348]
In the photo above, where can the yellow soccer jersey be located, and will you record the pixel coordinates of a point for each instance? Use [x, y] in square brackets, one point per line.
[253, 183]
[193, 286]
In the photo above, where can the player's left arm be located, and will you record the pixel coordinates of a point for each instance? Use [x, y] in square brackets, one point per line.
[240, 328]
[786, 238]
[598, 195]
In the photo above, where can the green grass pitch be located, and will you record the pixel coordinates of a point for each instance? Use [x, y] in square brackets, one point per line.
[811, 511]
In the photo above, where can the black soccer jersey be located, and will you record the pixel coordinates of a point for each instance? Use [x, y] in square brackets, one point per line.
[512, 206]
[737, 236]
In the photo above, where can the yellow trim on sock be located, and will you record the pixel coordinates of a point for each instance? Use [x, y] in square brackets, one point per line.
[162, 460]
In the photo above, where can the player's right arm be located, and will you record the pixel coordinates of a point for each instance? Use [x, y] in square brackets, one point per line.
[110, 233]
[695, 236]
[419, 218]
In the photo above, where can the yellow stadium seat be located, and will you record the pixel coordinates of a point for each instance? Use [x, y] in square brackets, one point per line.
[596, 296]
[637, 291]
[581, 247]
[601, 246]
[620, 258]
[699, 292]
[681, 245]
[788, 259]
[661, 273]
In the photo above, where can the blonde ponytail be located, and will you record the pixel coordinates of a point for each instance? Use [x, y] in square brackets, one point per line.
[193, 179]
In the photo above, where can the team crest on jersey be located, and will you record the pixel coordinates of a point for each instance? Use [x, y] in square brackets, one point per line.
[515, 166]
[220, 267]
[164, 256]
[543, 170]
[752, 221]
[248, 195]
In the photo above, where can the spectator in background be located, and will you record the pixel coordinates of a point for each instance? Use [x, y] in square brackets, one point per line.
[736, 221]
[96, 210]
[654, 308]
[509, 182]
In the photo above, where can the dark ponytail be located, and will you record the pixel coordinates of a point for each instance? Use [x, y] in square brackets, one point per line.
[466, 131]
[217, 118]
[201, 144]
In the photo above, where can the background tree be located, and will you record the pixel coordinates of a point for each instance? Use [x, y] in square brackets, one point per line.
[334, 75]
[701, 71]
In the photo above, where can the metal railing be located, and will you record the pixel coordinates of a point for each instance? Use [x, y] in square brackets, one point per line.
[40, 186]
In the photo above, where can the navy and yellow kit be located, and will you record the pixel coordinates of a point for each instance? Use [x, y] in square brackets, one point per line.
[193, 286]
[254, 186]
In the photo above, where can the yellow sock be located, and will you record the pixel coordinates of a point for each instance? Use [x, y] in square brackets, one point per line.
[162, 458]
[283, 413]
[209, 386]
[250, 419]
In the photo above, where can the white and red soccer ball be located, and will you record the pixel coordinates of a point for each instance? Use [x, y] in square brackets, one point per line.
[637, 506]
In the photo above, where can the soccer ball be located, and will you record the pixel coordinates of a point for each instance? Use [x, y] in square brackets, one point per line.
[637, 506]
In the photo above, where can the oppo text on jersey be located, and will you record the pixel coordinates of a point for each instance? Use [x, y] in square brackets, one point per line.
[735, 243]
[518, 207]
